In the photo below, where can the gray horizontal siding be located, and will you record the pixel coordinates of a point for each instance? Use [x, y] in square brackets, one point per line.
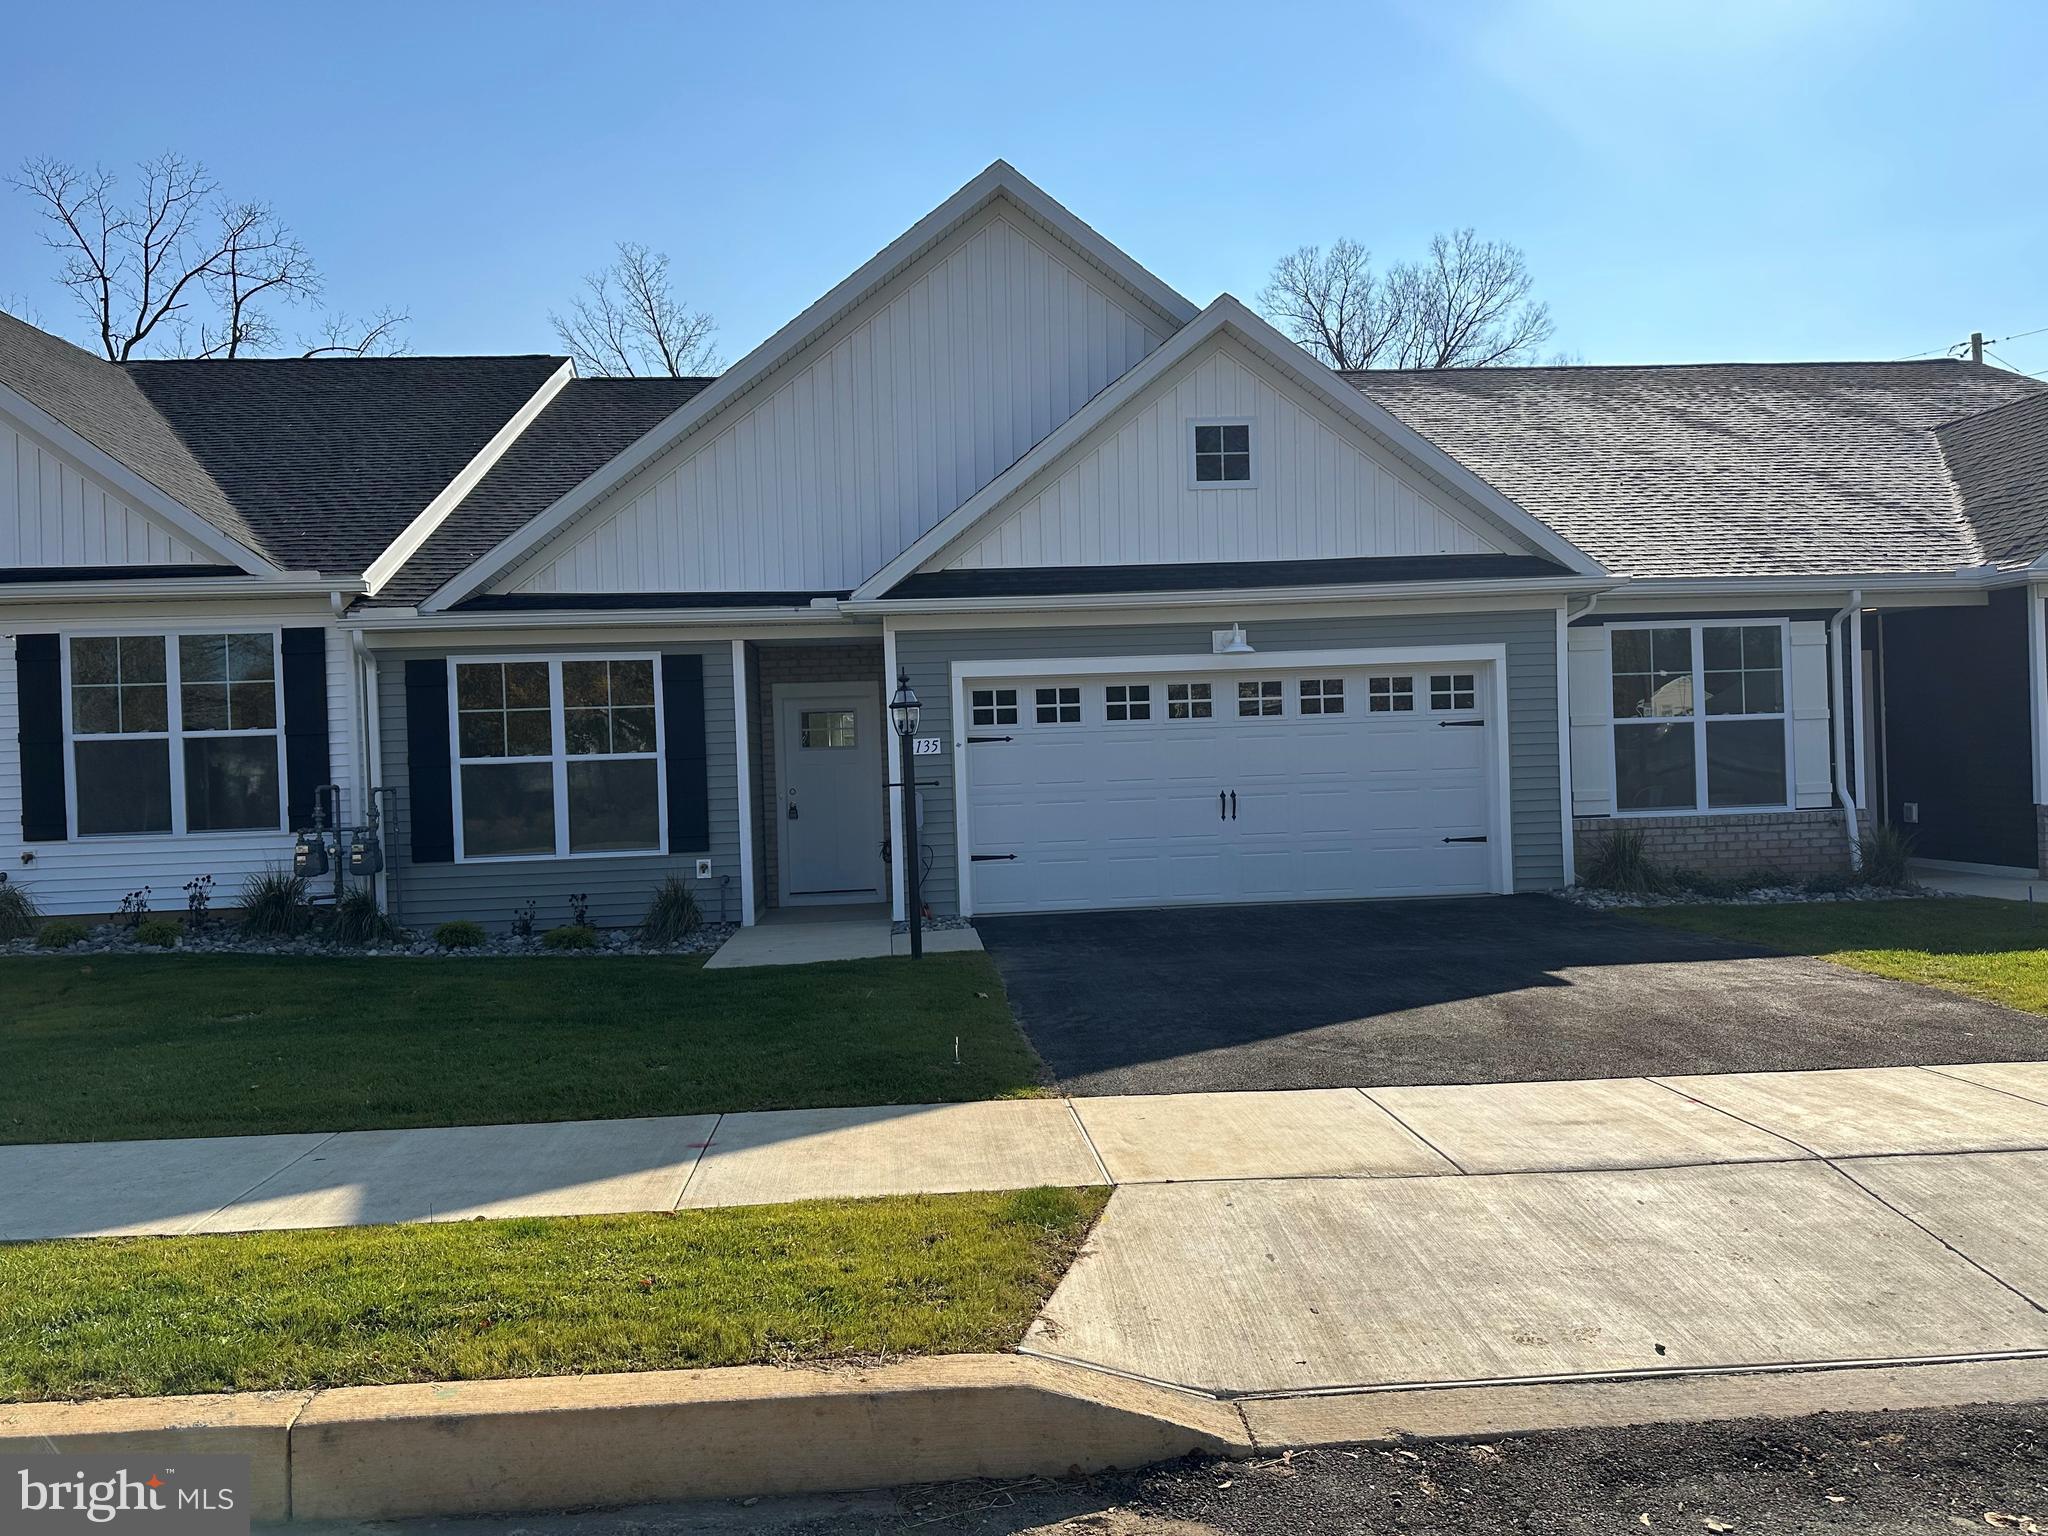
[489, 893]
[1530, 638]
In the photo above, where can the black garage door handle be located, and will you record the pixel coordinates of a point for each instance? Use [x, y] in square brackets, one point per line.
[989, 858]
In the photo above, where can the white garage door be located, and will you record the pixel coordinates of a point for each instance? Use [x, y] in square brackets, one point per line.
[1137, 791]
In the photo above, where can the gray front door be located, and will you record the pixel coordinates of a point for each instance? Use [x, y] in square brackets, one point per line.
[828, 752]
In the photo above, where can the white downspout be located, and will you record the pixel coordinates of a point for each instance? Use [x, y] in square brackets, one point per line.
[1565, 616]
[1838, 658]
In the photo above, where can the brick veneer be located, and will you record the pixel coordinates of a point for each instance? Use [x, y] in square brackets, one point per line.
[1795, 843]
[842, 661]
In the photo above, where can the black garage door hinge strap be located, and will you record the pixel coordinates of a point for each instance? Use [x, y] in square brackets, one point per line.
[989, 858]
[1447, 724]
[973, 740]
[1464, 839]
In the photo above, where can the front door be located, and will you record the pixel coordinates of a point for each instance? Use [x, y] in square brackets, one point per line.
[828, 762]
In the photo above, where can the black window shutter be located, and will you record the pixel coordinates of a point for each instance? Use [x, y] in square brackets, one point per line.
[426, 762]
[39, 682]
[689, 775]
[306, 759]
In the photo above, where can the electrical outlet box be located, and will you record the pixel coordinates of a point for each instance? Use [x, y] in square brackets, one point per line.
[1909, 812]
[703, 869]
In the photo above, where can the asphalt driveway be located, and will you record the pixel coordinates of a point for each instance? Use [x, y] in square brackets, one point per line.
[1519, 989]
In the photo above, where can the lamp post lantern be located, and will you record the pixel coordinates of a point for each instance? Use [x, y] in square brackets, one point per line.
[904, 711]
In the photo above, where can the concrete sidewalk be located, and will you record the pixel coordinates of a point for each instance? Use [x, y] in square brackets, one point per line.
[1439, 1135]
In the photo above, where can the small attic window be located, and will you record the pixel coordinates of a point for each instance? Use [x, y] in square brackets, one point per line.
[1223, 453]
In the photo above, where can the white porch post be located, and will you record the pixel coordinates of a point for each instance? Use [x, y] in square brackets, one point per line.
[1564, 743]
[2037, 686]
[743, 753]
[1856, 707]
[898, 852]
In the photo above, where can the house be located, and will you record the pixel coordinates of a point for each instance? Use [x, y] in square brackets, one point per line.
[1192, 617]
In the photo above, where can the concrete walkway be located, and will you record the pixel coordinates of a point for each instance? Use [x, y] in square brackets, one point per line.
[1961, 882]
[1271, 1149]
[808, 935]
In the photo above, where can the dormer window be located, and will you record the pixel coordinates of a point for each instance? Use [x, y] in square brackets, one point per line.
[1223, 453]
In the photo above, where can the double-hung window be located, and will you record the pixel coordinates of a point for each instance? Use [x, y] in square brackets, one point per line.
[175, 733]
[1699, 716]
[557, 757]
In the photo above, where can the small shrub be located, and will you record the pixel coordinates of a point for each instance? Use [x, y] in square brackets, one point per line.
[672, 915]
[523, 920]
[62, 934]
[579, 910]
[158, 932]
[459, 935]
[274, 904]
[570, 936]
[198, 895]
[135, 908]
[358, 919]
[1887, 856]
[1622, 863]
[18, 912]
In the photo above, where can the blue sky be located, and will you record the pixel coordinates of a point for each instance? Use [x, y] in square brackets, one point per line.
[1760, 179]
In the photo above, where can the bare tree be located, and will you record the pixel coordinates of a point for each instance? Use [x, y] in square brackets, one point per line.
[375, 336]
[178, 269]
[1465, 304]
[629, 322]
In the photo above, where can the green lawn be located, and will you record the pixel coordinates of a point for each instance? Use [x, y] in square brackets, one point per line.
[464, 1301]
[1996, 950]
[120, 1047]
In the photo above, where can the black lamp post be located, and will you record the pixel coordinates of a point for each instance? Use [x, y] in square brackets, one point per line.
[903, 714]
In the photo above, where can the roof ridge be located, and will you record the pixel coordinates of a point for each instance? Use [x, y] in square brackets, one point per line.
[404, 357]
[2031, 397]
[1831, 362]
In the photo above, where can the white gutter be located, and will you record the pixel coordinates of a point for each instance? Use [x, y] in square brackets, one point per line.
[1836, 661]
[1973, 578]
[395, 619]
[1232, 597]
[290, 584]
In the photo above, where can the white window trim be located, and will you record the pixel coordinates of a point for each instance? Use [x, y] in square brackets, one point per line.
[174, 734]
[1251, 426]
[1700, 719]
[560, 758]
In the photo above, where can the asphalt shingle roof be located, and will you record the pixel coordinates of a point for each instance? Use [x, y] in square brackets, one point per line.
[1999, 462]
[588, 424]
[329, 459]
[1744, 469]
[103, 404]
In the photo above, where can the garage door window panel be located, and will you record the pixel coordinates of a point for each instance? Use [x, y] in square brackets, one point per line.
[993, 706]
[1322, 696]
[1453, 691]
[1058, 706]
[1189, 701]
[1390, 695]
[1261, 698]
[1128, 701]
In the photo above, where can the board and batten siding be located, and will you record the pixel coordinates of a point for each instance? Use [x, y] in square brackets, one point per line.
[54, 513]
[923, 395]
[490, 891]
[90, 875]
[1123, 497]
[1529, 636]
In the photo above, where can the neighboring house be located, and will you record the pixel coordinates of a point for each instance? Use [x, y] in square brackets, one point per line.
[1193, 618]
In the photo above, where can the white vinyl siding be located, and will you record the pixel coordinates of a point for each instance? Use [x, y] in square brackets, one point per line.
[863, 442]
[1126, 495]
[54, 513]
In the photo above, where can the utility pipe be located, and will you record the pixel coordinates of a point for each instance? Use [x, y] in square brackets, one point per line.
[1837, 660]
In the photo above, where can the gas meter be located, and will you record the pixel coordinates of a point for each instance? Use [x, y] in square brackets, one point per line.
[309, 856]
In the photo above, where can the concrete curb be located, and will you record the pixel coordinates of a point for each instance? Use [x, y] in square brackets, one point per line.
[568, 1442]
